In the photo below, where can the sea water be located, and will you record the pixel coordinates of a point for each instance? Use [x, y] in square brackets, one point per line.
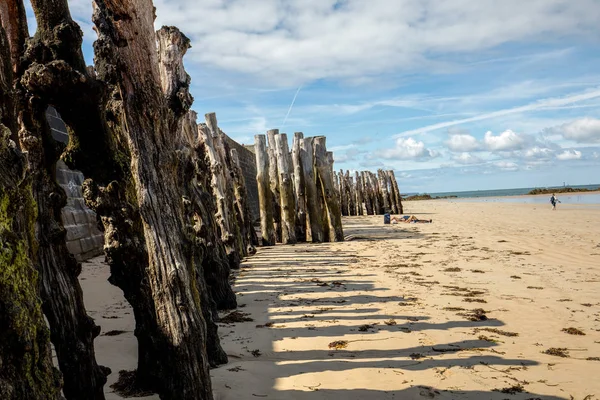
[565, 198]
[507, 192]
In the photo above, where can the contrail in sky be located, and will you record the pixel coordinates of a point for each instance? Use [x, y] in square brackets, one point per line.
[545, 104]
[291, 105]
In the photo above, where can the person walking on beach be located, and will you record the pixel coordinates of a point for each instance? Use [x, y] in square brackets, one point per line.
[554, 200]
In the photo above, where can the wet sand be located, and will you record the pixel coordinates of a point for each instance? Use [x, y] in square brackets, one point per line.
[401, 302]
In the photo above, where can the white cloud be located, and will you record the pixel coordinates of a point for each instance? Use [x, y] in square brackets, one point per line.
[462, 142]
[584, 130]
[342, 147]
[569, 155]
[537, 152]
[408, 149]
[371, 163]
[467, 158]
[506, 165]
[506, 141]
[329, 38]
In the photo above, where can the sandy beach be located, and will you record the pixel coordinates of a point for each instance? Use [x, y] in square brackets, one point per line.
[462, 308]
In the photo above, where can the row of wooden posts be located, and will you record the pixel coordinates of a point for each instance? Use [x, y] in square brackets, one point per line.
[229, 190]
[168, 192]
[297, 196]
[367, 193]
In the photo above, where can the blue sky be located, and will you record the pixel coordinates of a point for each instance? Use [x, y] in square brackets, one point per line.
[452, 95]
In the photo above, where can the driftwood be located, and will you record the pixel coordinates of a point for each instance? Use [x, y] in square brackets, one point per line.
[264, 191]
[286, 188]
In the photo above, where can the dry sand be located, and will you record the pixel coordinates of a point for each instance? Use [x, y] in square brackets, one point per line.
[395, 294]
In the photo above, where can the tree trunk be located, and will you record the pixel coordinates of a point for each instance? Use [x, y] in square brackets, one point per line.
[325, 183]
[148, 125]
[274, 178]
[264, 191]
[396, 191]
[286, 188]
[26, 363]
[314, 230]
[299, 185]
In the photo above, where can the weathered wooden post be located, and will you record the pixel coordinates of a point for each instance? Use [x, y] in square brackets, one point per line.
[246, 227]
[377, 201]
[359, 193]
[314, 227]
[336, 184]
[392, 195]
[396, 191]
[219, 188]
[367, 193]
[342, 189]
[299, 185]
[382, 177]
[325, 178]
[286, 191]
[32, 235]
[274, 178]
[350, 194]
[222, 149]
[265, 196]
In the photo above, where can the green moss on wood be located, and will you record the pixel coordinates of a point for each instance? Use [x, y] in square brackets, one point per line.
[24, 332]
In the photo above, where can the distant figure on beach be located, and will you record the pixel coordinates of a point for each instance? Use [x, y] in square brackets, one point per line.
[553, 201]
[410, 219]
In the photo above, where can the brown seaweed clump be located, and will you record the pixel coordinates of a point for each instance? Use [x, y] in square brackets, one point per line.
[497, 332]
[573, 331]
[511, 389]
[557, 351]
[234, 317]
[477, 314]
[127, 386]
[338, 344]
